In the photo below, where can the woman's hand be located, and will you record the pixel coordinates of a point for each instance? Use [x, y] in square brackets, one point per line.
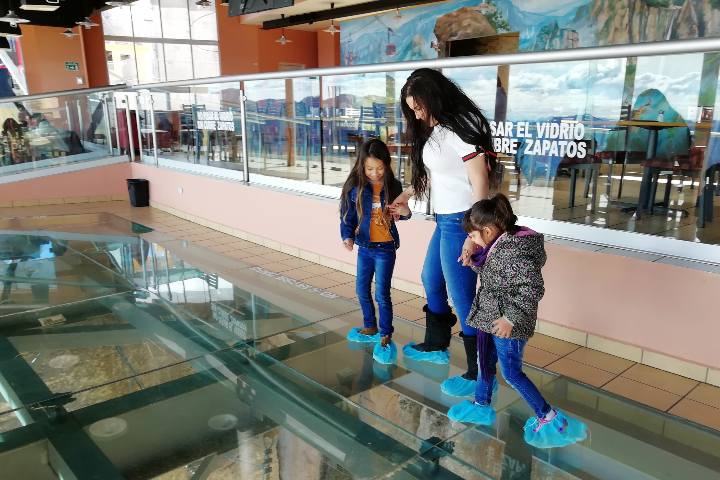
[469, 248]
[502, 328]
[349, 243]
[404, 197]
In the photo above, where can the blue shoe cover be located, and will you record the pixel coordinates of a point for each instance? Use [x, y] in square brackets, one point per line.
[434, 371]
[460, 387]
[560, 432]
[440, 357]
[385, 355]
[382, 372]
[468, 411]
[354, 335]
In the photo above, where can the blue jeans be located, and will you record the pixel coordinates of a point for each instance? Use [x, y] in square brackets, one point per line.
[380, 262]
[442, 273]
[510, 353]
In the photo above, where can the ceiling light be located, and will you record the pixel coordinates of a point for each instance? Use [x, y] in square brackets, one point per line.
[117, 4]
[283, 39]
[203, 3]
[225, 3]
[40, 5]
[87, 23]
[69, 33]
[332, 29]
[13, 19]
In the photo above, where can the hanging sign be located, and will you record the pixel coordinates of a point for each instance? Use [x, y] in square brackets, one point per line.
[215, 120]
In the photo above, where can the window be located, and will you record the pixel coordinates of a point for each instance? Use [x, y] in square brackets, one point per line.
[157, 40]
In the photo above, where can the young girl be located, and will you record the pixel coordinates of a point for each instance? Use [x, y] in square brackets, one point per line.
[366, 222]
[505, 313]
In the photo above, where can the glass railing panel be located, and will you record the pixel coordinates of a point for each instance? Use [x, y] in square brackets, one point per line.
[356, 108]
[283, 128]
[199, 124]
[53, 131]
[618, 143]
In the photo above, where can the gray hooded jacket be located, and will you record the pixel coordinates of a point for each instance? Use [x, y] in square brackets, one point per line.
[511, 283]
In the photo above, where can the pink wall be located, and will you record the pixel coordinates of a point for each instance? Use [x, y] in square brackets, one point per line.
[92, 182]
[653, 306]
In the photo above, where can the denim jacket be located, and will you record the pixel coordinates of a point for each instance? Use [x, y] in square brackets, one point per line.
[349, 219]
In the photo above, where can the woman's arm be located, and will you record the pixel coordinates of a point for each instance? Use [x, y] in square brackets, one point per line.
[478, 175]
[405, 196]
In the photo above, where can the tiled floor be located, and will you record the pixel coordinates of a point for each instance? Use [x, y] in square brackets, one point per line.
[656, 388]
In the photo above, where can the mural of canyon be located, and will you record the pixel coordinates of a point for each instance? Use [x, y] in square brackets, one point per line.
[421, 32]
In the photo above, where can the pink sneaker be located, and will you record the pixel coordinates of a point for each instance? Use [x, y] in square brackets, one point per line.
[541, 422]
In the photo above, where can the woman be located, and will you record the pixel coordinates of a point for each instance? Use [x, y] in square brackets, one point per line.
[452, 157]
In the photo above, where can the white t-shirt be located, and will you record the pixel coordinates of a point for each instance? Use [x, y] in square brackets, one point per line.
[444, 156]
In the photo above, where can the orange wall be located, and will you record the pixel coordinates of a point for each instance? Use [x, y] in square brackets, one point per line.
[93, 43]
[302, 50]
[328, 49]
[238, 44]
[249, 49]
[45, 52]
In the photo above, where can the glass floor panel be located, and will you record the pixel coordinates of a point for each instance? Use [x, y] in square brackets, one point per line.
[128, 354]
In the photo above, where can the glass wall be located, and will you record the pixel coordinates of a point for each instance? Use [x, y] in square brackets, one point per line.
[152, 41]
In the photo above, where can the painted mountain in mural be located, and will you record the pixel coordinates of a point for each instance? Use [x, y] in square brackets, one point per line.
[653, 105]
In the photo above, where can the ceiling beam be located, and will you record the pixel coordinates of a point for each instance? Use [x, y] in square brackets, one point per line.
[342, 12]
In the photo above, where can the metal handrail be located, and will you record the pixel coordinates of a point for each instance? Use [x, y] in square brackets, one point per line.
[79, 91]
[674, 47]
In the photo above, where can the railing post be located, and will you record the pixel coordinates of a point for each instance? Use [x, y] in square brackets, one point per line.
[139, 126]
[115, 122]
[69, 118]
[152, 126]
[131, 142]
[81, 123]
[106, 117]
[243, 132]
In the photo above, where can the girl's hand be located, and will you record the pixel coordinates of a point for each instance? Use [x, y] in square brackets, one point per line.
[349, 243]
[469, 248]
[398, 210]
[502, 328]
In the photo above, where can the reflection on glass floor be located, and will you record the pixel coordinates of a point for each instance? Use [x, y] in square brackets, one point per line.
[119, 359]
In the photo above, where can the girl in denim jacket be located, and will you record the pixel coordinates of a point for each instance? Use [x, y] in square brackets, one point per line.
[366, 222]
[505, 313]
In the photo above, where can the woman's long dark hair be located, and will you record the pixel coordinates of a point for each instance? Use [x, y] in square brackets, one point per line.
[372, 148]
[444, 101]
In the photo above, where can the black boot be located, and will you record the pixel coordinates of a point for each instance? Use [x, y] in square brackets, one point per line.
[470, 342]
[437, 331]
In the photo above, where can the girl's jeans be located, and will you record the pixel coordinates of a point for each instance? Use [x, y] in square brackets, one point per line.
[442, 273]
[510, 352]
[377, 259]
